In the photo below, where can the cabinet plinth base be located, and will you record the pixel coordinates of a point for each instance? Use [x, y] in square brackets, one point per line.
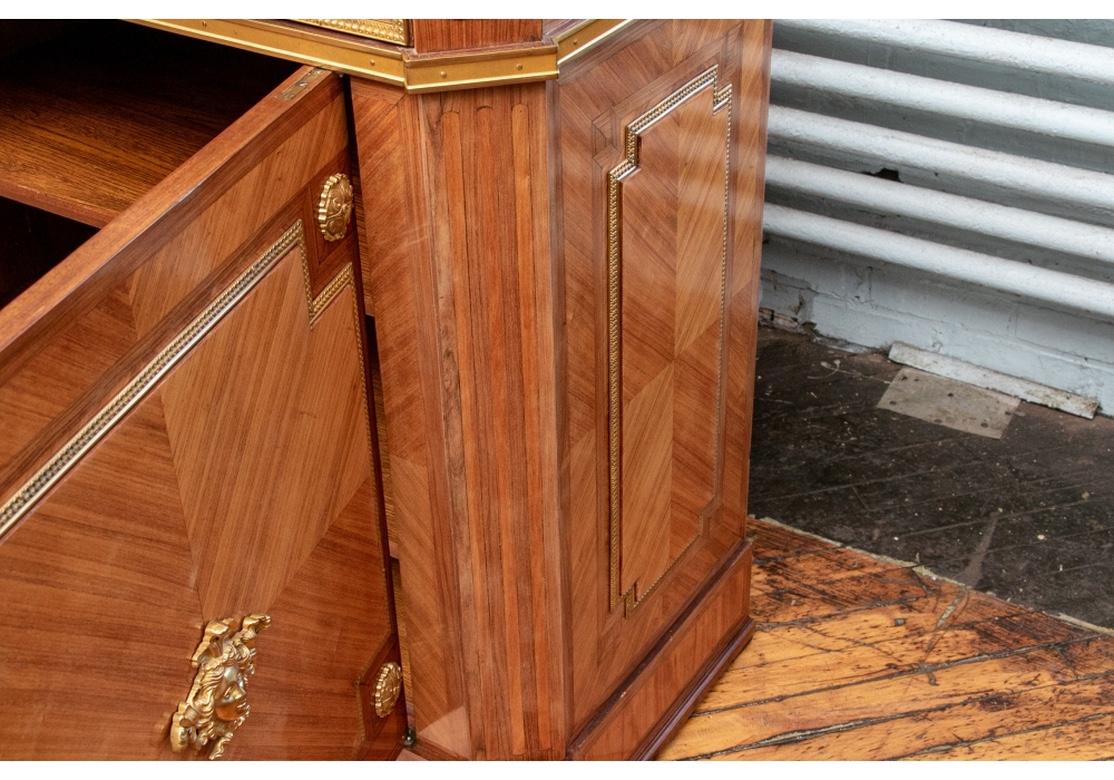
[657, 697]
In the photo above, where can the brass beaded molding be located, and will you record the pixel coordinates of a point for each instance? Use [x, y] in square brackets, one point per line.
[389, 30]
[632, 135]
[33, 490]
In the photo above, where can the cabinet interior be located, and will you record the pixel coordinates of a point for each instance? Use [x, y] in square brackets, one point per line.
[33, 241]
[93, 114]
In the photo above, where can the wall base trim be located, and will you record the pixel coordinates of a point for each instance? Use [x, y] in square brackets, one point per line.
[968, 373]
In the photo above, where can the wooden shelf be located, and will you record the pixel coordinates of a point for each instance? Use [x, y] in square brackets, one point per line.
[93, 118]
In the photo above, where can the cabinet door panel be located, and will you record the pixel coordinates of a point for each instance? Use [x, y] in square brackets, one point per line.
[233, 472]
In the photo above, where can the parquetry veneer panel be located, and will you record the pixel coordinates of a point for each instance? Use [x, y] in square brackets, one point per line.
[292, 416]
[685, 338]
[236, 473]
[93, 321]
[212, 500]
[670, 211]
[101, 611]
[528, 613]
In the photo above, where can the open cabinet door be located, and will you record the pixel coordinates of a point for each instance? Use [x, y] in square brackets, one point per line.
[190, 511]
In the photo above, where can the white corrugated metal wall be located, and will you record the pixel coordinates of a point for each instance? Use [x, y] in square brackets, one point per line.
[951, 186]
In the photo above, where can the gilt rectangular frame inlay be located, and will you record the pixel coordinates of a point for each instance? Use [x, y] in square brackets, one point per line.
[632, 137]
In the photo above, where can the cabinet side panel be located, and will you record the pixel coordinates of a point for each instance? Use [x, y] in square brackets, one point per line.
[660, 140]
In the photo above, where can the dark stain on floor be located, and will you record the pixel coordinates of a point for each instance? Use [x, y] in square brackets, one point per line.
[1029, 517]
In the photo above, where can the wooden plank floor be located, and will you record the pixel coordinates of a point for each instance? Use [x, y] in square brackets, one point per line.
[862, 657]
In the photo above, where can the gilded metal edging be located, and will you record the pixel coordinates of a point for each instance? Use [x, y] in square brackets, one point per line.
[394, 64]
[574, 42]
[494, 67]
[311, 47]
[93, 431]
[721, 99]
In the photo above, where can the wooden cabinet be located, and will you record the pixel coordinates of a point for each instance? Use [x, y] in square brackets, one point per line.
[518, 376]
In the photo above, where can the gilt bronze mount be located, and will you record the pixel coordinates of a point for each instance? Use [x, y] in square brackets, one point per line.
[217, 703]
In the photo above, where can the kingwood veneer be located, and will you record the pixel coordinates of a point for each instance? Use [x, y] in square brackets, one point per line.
[558, 259]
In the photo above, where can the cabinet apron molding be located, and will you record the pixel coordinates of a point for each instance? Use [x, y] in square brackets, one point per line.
[35, 488]
[342, 47]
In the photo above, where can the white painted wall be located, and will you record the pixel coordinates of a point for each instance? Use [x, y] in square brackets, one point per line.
[995, 244]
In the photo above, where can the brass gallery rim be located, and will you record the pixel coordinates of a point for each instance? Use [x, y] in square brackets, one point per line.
[388, 30]
[318, 44]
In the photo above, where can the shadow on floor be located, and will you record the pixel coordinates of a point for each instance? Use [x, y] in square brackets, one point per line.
[1029, 517]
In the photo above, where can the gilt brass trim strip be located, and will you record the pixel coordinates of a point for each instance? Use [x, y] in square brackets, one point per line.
[303, 42]
[721, 98]
[318, 305]
[579, 39]
[32, 491]
[300, 43]
[389, 30]
[491, 67]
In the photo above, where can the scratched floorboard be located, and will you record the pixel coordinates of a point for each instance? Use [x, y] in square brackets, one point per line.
[1029, 517]
[858, 657]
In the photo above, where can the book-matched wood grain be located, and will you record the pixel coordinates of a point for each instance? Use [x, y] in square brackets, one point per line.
[255, 456]
[131, 286]
[244, 481]
[468, 363]
[863, 658]
[100, 612]
[673, 222]
[296, 419]
[688, 308]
